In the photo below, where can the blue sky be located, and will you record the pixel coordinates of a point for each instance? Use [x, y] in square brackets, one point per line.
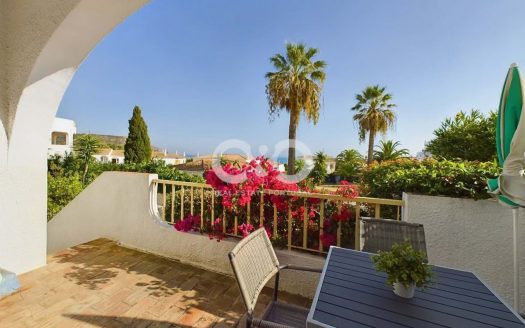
[197, 68]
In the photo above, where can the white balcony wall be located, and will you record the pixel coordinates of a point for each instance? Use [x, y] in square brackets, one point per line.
[471, 235]
[42, 43]
[118, 206]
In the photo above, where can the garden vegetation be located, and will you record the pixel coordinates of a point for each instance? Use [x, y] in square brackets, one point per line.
[67, 177]
[466, 136]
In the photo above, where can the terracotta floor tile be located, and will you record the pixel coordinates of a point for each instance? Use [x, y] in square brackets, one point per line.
[101, 284]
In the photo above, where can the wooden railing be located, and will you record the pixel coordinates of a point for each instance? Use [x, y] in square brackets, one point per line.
[289, 228]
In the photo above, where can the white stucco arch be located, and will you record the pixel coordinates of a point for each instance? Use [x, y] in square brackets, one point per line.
[42, 43]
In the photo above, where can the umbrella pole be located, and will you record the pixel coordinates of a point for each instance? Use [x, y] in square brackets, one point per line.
[516, 264]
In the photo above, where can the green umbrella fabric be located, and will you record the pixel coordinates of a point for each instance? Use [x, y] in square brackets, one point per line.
[511, 103]
[510, 142]
[509, 187]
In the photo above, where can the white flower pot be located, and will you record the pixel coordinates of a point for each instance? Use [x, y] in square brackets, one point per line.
[402, 291]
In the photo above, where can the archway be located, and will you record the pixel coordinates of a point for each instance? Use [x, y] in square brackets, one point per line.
[43, 45]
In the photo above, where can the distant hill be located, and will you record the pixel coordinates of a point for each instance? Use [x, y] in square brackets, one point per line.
[110, 141]
[106, 138]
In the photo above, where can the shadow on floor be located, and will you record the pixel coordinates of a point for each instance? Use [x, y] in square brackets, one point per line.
[132, 277]
[116, 322]
[101, 264]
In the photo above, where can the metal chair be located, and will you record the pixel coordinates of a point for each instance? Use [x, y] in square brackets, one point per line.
[254, 263]
[381, 234]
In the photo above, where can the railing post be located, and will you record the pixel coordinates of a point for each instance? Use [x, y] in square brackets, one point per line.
[235, 222]
[182, 203]
[223, 219]
[191, 200]
[357, 226]
[261, 210]
[249, 211]
[338, 236]
[202, 208]
[274, 221]
[289, 225]
[305, 225]
[164, 201]
[212, 206]
[321, 223]
[378, 211]
[172, 216]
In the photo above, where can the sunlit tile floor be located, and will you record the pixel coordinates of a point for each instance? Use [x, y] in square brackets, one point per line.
[101, 284]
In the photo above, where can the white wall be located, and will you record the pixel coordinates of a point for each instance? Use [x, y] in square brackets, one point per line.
[118, 206]
[471, 235]
[42, 43]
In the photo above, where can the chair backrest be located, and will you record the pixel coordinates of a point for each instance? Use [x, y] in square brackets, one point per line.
[254, 263]
[381, 234]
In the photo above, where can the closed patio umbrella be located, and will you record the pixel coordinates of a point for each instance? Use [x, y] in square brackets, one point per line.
[509, 187]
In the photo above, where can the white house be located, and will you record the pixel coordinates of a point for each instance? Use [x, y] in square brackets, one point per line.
[61, 137]
[169, 159]
[330, 163]
[108, 155]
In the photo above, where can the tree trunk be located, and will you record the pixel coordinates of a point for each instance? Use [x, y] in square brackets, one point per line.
[85, 173]
[292, 132]
[371, 140]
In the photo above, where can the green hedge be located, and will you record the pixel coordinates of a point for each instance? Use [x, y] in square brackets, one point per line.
[157, 167]
[428, 177]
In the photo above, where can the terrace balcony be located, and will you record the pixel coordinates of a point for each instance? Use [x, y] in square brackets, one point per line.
[115, 259]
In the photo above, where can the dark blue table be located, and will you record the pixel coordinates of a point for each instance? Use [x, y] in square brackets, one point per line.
[352, 294]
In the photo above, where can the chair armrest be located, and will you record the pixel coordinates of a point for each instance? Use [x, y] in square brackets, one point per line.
[299, 268]
[290, 267]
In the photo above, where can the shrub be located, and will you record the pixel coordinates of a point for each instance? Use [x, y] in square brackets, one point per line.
[467, 136]
[60, 191]
[461, 179]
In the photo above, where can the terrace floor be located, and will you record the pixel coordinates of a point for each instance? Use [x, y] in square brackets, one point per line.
[101, 284]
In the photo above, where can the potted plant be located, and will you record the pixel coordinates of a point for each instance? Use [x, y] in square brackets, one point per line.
[406, 269]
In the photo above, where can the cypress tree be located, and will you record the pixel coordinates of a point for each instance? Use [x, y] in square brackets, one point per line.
[138, 147]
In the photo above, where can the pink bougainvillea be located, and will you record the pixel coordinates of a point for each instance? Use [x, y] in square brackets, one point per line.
[260, 175]
[246, 229]
[215, 230]
[189, 223]
[193, 223]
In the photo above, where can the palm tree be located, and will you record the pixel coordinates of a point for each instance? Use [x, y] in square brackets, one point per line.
[349, 163]
[319, 172]
[374, 114]
[296, 87]
[387, 151]
[85, 147]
